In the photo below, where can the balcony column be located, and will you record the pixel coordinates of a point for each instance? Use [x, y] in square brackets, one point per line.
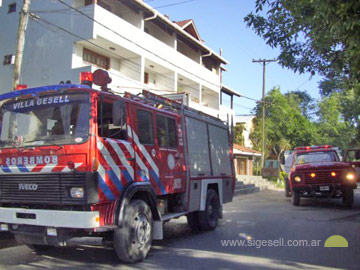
[142, 69]
[175, 42]
[200, 93]
[142, 22]
[175, 82]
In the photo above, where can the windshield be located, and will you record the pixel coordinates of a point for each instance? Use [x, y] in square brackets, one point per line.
[314, 157]
[53, 119]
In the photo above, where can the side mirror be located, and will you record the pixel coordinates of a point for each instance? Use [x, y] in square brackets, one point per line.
[118, 113]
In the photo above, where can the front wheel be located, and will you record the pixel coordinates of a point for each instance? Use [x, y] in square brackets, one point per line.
[132, 242]
[39, 248]
[287, 188]
[348, 198]
[208, 219]
[295, 198]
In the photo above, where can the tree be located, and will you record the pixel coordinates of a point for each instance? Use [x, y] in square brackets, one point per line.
[286, 127]
[332, 127]
[314, 36]
[304, 100]
[238, 131]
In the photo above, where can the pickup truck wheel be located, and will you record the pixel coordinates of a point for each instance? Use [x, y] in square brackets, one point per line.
[132, 242]
[295, 198]
[287, 188]
[208, 219]
[348, 198]
[39, 248]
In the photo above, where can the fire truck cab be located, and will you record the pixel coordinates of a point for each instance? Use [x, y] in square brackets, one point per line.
[316, 171]
[83, 166]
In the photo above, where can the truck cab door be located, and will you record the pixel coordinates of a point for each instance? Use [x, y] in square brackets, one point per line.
[114, 151]
[158, 163]
[170, 152]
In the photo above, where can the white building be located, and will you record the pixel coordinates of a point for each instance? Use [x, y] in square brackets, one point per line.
[140, 48]
[248, 122]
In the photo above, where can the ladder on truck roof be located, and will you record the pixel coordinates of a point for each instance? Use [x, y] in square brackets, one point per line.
[173, 105]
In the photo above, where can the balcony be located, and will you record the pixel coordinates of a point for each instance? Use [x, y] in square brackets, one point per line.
[119, 31]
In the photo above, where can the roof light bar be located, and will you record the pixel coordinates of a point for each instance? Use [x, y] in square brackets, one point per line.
[313, 147]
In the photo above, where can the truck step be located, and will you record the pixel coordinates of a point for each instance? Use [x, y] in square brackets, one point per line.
[169, 216]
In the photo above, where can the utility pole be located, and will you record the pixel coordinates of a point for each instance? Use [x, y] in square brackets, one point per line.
[24, 15]
[264, 62]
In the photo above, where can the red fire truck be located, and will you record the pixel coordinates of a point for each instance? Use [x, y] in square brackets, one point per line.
[83, 166]
[317, 171]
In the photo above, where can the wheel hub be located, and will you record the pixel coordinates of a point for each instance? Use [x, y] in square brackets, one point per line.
[142, 230]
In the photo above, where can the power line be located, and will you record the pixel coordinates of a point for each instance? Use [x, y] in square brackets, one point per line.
[174, 4]
[37, 18]
[131, 41]
[264, 63]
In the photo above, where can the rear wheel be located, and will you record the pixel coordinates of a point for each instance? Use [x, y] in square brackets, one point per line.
[348, 198]
[208, 219]
[295, 198]
[132, 242]
[287, 188]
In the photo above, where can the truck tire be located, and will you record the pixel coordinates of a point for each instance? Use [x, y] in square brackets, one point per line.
[287, 188]
[35, 247]
[132, 242]
[295, 198]
[348, 198]
[193, 221]
[39, 248]
[208, 219]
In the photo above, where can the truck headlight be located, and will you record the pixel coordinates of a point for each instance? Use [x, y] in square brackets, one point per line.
[297, 178]
[77, 192]
[4, 227]
[350, 176]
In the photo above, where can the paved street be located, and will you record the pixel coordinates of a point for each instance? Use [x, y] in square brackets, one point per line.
[266, 215]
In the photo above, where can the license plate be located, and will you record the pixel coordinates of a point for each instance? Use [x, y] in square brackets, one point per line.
[324, 188]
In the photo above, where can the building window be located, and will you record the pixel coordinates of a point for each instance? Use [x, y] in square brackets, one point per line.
[9, 59]
[166, 131]
[12, 8]
[145, 127]
[96, 59]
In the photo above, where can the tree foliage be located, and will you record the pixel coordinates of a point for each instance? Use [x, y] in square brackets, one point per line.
[333, 128]
[285, 124]
[288, 125]
[238, 134]
[314, 36]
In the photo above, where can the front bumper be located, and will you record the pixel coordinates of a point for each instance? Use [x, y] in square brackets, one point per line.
[50, 218]
[320, 190]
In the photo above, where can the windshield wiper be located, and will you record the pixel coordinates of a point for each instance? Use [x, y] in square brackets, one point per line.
[47, 141]
[12, 143]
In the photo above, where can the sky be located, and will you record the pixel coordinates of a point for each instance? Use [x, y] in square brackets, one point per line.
[220, 24]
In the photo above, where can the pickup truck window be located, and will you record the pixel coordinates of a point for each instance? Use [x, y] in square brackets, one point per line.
[314, 157]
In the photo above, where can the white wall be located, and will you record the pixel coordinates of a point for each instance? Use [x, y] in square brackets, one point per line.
[7, 42]
[51, 55]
